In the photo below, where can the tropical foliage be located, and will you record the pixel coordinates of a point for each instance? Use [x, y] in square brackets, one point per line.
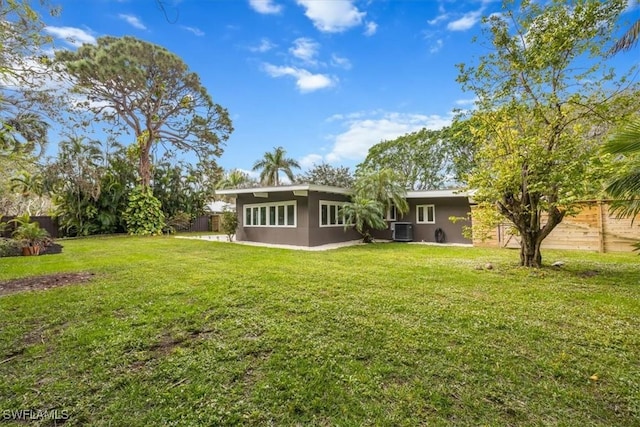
[272, 163]
[364, 215]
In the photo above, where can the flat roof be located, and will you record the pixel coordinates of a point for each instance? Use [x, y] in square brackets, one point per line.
[434, 194]
[283, 188]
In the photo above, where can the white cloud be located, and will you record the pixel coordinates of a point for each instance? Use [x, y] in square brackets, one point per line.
[72, 36]
[305, 80]
[466, 102]
[438, 19]
[264, 46]
[196, 31]
[364, 132]
[371, 29]
[467, 21]
[332, 16]
[266, 7]
[436, 46]
[305, 49]
[338, 61]
[309, 160]
[132, 20]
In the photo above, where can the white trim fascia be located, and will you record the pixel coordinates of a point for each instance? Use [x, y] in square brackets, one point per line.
[284, 188]
[436, 194]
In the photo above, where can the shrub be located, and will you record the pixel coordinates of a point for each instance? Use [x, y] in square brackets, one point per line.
[229, 224]
[143, 215]
[10, 247]
[181, 221]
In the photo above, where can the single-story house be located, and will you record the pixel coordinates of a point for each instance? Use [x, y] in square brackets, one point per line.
[308, 215]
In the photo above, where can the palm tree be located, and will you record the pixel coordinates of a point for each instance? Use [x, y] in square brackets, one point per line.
[235, 178]
[24, 132]
[272, 163]
[364, 215]
[628, 40]
[385, 186]
[625, 187]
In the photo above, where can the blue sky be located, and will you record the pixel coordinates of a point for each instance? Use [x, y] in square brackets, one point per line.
[325, 79]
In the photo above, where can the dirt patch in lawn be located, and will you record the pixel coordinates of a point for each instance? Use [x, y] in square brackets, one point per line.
[49, 281]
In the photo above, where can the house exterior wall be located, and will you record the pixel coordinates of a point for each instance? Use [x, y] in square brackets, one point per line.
[323, 235]
[444, 208]
[307, 231]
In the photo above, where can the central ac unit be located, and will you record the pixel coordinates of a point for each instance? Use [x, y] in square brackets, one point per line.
[402, 231]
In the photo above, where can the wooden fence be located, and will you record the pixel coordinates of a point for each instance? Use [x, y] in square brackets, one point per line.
[594, 228]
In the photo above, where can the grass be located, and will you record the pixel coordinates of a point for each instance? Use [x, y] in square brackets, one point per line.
[185, 332]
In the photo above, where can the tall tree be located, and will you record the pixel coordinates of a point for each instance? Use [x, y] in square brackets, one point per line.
[543, 93]
[235, 178]
[418, 157]
[272, 163]
[325, 174]
[150, 92]
[24, 99]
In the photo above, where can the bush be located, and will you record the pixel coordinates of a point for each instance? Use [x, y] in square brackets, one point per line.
[10, 247]
[229, 224]
[179, 222]
[143, 215]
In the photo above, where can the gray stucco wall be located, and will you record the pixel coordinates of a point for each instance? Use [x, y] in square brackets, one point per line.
[307, 231]
[444, 208]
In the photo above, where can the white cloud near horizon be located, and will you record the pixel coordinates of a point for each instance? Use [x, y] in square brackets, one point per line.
[75, 37]
[364, 130]
[308, 161]
[196, 31]
[132, 20]
[467, 21]
[333, 16]
[305, 49]
[265, 7]
[305, 80]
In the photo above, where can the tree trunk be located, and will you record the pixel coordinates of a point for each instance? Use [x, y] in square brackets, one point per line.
[144, 165]
[530, 255]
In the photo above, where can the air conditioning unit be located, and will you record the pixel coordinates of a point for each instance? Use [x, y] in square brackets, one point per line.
[402, 231]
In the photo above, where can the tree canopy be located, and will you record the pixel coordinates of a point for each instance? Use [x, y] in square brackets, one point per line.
[418, 157]
[150, 92]
[325, 174]
[543, 102]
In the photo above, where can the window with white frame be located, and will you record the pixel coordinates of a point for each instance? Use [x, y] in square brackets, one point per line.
[392, 212]
[276, 214]
[426, 214]
[331, 214]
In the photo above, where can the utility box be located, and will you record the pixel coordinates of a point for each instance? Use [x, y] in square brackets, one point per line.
[402, 231]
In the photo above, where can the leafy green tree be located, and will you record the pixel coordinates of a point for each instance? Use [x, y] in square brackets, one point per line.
[537, 136]
[418, 157]
[325, 174]
[151, 93]
[384, 186]
[236, 178]
[272, 163]
[74, 180]
[143, 215]
[364, 215]
[24, 99]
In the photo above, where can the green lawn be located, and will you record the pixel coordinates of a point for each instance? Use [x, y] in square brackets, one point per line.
[186, 332]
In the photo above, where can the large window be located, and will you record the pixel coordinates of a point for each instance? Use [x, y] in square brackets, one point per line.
[426, 214]
[277, 214]
[330, 214]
